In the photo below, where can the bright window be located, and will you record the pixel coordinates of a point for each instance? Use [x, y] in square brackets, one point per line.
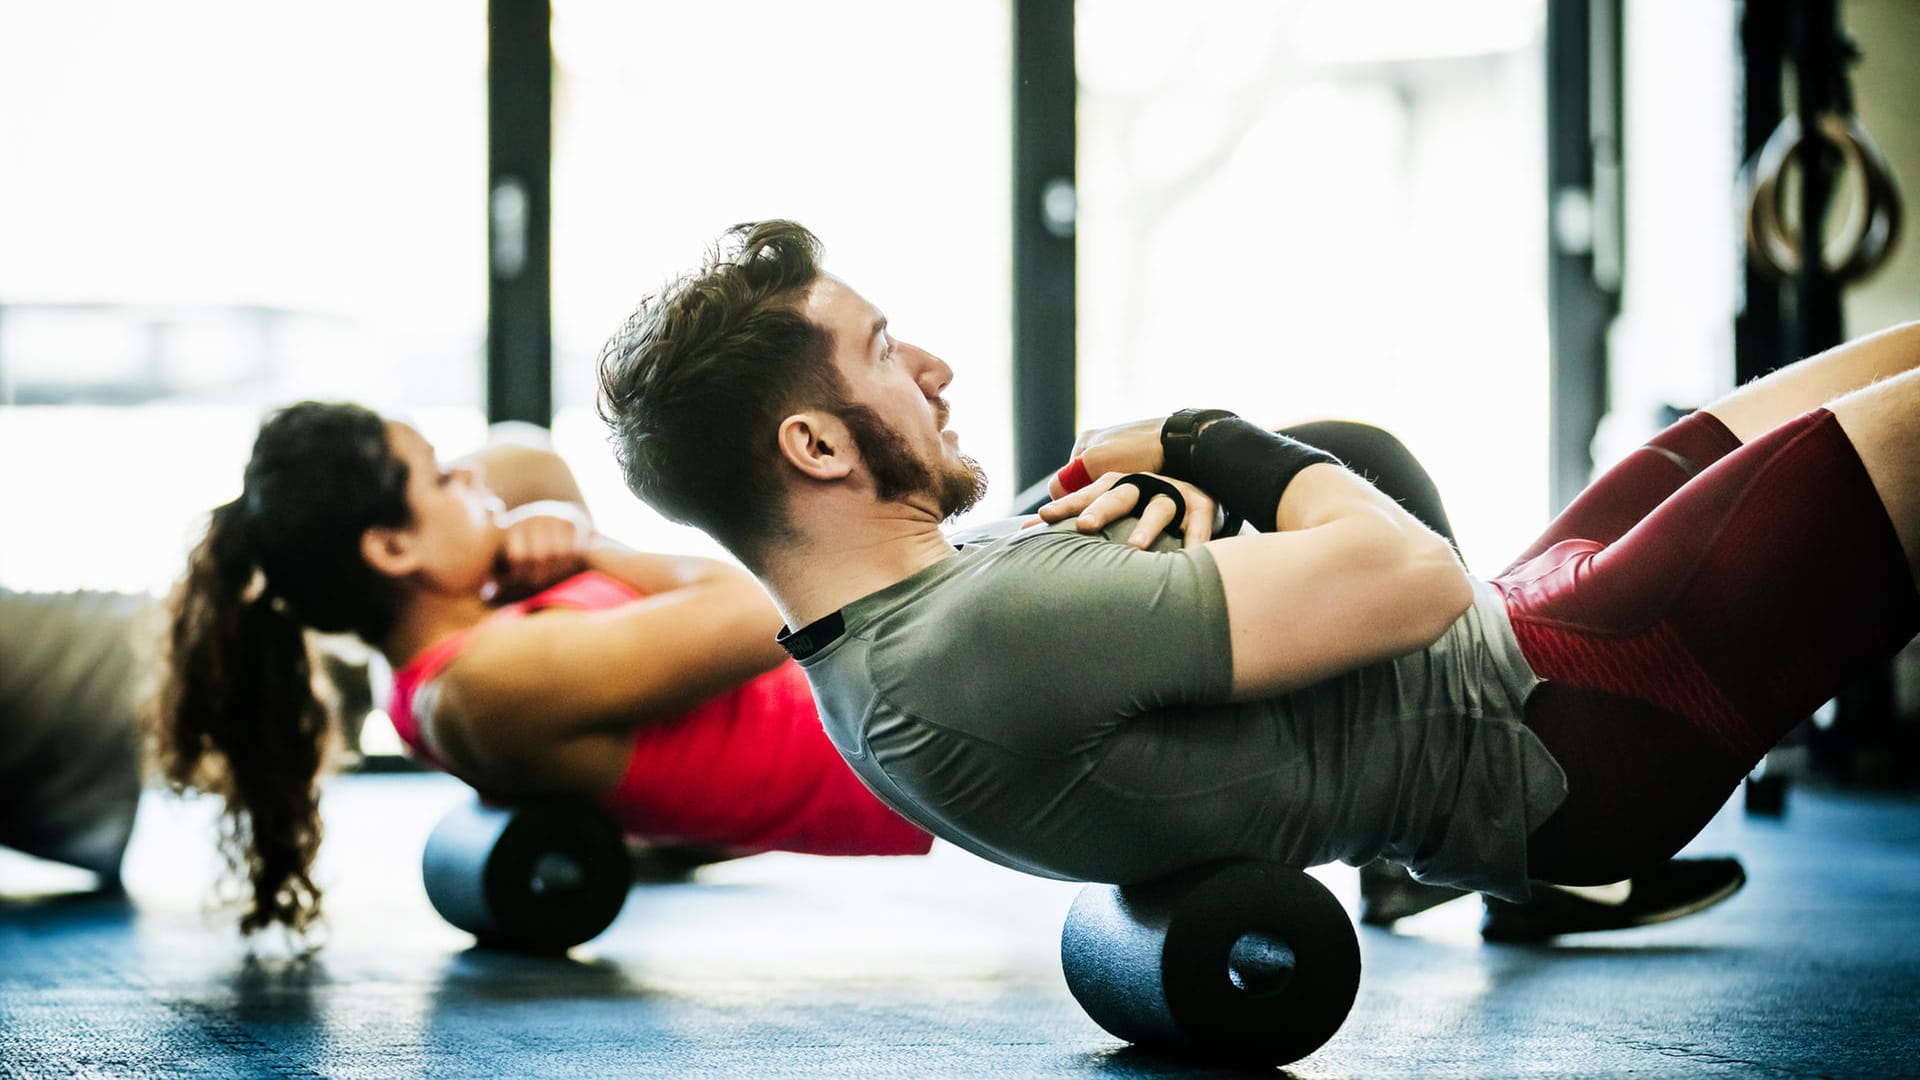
[210, 207]
[1325, 209]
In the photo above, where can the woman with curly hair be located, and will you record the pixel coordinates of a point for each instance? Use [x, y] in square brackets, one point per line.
[531, 657]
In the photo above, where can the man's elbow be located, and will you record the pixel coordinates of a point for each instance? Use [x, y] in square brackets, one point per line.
[1443, 586]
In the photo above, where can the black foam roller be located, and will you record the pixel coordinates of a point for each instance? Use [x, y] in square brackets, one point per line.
[537, 877]
[1244, 961]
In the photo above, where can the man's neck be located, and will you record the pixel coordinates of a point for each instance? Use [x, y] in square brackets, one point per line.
[834, 567]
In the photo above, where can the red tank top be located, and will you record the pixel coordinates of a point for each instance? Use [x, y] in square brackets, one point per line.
[750, 770]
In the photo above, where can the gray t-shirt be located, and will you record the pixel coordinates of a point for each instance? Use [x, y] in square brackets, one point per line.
[1058, 703]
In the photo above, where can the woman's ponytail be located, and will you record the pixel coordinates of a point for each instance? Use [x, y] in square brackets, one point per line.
[237, 716]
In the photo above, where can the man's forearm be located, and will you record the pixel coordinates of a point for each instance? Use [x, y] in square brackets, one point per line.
[1246, 467]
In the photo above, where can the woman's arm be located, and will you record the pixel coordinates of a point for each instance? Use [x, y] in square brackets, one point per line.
[547, 524]
[550, 702]
[520, 474]
[541, 701]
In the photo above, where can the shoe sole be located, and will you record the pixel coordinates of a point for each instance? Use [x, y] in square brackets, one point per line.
[1531, 936]
[1699, 905]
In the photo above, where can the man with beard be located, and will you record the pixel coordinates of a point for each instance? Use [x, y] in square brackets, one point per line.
[1097, 700]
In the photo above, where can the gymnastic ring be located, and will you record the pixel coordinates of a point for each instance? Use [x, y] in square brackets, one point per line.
[1873, 220]
[1870, 227]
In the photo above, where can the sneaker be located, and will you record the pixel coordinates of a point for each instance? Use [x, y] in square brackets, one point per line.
[1669, 891]
[1388, 893]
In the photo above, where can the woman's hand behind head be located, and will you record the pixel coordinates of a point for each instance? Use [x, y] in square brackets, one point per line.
[543, 543]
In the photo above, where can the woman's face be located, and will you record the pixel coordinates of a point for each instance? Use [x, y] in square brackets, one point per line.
[453, 534]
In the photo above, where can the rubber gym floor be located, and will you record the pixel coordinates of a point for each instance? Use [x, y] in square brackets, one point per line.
[940, 966]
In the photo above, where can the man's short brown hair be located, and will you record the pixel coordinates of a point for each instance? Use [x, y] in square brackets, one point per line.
[695, 384]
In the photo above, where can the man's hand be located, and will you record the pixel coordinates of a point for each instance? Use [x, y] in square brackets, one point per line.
[1105, 501]
[1122, 449]
[545, 542]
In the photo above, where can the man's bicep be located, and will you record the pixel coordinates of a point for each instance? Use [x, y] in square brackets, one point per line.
[1307, 605]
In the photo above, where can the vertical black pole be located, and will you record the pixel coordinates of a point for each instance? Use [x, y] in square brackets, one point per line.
[519, 165]
[1045, 93]
[1817, 65]
[1583, 265]
[1759, 330]
[1820, 52]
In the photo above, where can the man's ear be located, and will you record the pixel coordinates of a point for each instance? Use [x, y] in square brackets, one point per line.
[390, 551]
[817, 444]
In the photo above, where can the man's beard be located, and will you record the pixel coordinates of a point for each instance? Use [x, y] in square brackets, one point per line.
[898, 472]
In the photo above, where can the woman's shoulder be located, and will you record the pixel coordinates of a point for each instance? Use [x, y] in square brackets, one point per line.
[512, 653]
[472, 705]
[589, 590]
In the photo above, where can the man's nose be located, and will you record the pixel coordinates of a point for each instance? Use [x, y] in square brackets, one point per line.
[934, 374]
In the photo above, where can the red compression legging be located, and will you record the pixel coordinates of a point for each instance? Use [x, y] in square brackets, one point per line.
[1686, 611]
